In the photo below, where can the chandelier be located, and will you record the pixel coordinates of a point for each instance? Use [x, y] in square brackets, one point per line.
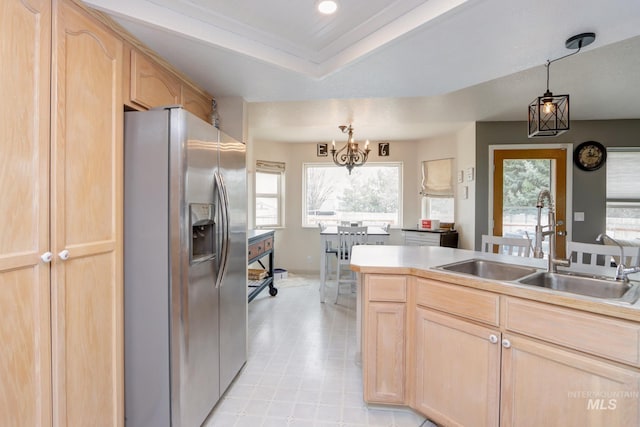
[549, 113]
[350, 155]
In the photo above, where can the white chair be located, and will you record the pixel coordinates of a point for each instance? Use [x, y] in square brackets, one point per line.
[385, 226]
[348, 237]
[378, 239]
[506, 245]
[351, 223]
[330, 252]
[594, 254]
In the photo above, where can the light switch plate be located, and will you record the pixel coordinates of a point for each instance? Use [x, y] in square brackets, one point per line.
[578, 216]
[469, 174]
[460, 176]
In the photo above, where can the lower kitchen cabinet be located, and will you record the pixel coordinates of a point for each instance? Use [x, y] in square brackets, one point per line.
[466, 374]
[471, 357]
[384, 342]
[545, 385]
[457, 372]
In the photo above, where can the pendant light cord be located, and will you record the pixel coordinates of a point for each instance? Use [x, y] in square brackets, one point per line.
[548, 64]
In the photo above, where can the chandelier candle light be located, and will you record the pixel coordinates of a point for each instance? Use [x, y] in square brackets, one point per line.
[349, 155]
[549, 113]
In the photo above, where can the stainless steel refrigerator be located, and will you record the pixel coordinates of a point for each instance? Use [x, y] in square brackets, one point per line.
[185, 287]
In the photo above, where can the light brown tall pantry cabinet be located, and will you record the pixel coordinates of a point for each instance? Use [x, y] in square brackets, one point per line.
[60, 217]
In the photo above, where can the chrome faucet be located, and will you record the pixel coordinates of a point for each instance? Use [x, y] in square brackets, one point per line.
[551, 231]
[621, 270]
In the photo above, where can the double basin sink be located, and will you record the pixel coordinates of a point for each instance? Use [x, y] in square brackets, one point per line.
[588, 285]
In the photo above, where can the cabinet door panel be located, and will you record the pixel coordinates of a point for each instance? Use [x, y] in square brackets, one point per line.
[25, 396]
[25, 31]
[151, 86]
[384, 344]
[457, 379]
[544, 385]
[87, 221]
[91, 374]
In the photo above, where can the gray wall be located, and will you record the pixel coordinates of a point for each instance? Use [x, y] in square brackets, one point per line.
[589, 191]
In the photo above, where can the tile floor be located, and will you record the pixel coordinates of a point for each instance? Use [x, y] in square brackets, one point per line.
[301, 369]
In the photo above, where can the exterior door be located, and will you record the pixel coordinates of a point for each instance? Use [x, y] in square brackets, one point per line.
[25, 384]
[518, 177]
[86, 209]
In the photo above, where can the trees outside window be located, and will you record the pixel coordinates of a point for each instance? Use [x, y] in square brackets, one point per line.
[371, 194]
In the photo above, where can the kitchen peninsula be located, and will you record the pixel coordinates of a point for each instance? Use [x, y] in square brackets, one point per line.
[463, 350]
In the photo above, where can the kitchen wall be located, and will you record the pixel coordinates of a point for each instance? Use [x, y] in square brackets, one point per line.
[461, 147]
[466, 207]
[589, 190]
[297, 248]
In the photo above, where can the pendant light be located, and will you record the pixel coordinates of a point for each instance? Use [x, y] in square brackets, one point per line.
[549, 113]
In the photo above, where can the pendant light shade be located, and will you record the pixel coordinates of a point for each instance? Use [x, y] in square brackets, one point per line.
[549, 113]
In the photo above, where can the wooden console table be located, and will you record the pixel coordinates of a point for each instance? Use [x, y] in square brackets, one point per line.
[260, 245]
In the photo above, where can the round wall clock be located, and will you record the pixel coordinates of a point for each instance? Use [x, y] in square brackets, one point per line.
[590, 155]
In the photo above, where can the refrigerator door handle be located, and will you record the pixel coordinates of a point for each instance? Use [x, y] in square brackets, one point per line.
[224, 211]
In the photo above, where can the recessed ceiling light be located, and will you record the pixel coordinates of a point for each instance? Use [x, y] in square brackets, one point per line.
[327, 7]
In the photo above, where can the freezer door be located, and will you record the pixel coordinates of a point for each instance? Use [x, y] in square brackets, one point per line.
[233, 288]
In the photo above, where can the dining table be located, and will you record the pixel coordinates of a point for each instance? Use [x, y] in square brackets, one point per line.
[376, 235]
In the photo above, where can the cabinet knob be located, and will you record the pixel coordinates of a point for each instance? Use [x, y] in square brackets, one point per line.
[506, 343]
[493, 339]
[46, 257]
[64, 255]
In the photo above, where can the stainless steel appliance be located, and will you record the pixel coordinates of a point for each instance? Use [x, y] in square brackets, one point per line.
[185, 288]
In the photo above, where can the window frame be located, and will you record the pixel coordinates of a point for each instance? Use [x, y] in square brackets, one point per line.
[429, 207]
[399, 167]
[616, 202]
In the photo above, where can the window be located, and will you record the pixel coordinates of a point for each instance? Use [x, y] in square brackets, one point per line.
[371, 194]
[440, 208]
[623, 196]
[269, 194]
[437, 189]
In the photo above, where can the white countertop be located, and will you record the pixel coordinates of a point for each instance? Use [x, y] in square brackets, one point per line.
[421, 260]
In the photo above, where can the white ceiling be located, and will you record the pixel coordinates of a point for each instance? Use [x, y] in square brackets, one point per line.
[396, 69]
